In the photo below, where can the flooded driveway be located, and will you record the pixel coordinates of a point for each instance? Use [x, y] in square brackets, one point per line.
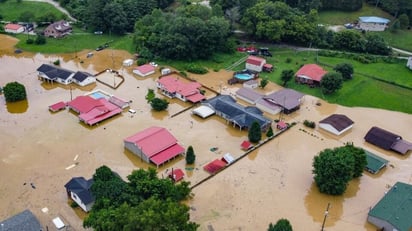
[274, 182]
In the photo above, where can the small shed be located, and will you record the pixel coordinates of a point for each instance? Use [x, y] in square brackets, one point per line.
[203, 111]
[57, 106]
[176, 175]
[281, 125]
[144, 70]
[128, 62]
[267, 67]
[215, 166]
[253, 83]
[255, 63]
[246, 145]
[228, 158]
[374, 163]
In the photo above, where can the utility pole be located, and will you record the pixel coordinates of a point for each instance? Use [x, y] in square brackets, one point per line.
[326, 215]
[71, 94]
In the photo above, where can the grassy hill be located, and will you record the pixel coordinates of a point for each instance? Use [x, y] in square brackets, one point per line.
[11, 10]
[400, 39]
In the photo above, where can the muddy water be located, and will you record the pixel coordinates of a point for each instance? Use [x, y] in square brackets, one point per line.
[272, 182]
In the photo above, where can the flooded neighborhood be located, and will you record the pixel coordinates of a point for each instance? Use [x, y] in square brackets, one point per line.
[43, 150]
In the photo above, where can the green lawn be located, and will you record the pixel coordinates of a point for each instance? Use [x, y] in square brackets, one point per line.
[11, 10]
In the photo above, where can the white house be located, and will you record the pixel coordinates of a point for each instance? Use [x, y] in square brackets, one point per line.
[336, 124]
[14, 28]
[409, 63]
[78, 189]
[372, 23]
[255, 63]
[144, 70]
[83, 78]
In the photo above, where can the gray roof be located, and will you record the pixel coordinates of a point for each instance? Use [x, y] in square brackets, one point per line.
[249, 94]
[395, 207]
[81, 187]
[286, 98]
[24, 221]
[242, 116]
[338, 121]
[53, 72]
[381, 138]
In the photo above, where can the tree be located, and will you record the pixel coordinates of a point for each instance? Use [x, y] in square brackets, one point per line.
[26, 16]
[269, 133]
[334, 168]
[150, 95]
[190, 155]
[281, 225]
[404, 21]
[264, 82]
[376, 44]
[345, 69]
[255, 132]
[286, 76]
[40, 40]
[349, 40]
[14, 92]
[331, 82]
[159, 104]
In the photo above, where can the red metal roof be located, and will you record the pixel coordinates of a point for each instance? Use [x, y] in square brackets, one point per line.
[176, 174]
[173, 84]
[100, 113]
[57, 106]
[12, 26]
[267, 65]
[195, 97]
[167, 154]
[153, 140]
[215, 166]
[282, 125]
[246, 145]
[255, 60]
[145, 68]
[83, 104]
[311, 71]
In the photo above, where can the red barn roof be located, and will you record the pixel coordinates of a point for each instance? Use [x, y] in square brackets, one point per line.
[12, 26]
[157, 143]
[255, 60]
[311, 71]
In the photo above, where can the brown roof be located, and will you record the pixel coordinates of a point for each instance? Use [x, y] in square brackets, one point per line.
[382, 138]
[338, 121]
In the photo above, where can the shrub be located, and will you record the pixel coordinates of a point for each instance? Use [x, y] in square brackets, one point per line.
[29, 41]
[309, 124]
[141, 61]
[14, 92]
[57, 62]
[74, 204]
[192, 68]
[190, 155]
[288, 60]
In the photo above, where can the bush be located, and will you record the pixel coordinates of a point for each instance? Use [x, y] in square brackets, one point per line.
[14, 92]
[141, 61]
[74, 204]
[159, 104]
[309, 124]
[29, 41]
[190, 155]
[288, 60]
[192, 68]
[40, 40]
[57, 62]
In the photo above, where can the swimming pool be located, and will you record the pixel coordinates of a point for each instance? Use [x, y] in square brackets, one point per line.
[243, 76]
[98, 95]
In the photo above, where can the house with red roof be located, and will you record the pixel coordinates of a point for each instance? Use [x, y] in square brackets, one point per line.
[92, 111]
[310, 74]
[154, 145]
[172, 86]
[144, 70]
[13, 28]
[255, 63]
[176, 175]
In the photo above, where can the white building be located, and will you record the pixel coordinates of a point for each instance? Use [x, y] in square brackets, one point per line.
[409, 63]
[372, 23]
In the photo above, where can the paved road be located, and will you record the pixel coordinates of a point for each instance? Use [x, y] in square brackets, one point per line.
[57, 5]
[402, 51]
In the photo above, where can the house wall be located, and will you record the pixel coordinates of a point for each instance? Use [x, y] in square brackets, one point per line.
[18, 31]
[87, 81]
[254, 67]
[409, 63]
[181, 97]
[269, 110]
[372, 26]
[254, 85]
[381, 224]
[76, 199]
[136, 150]
[245, 99]
[64, 81]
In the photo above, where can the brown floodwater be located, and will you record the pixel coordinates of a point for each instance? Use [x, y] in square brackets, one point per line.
[273, 182]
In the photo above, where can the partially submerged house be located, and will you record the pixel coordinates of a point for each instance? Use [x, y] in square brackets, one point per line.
[248, 95]
[92, 111]
[255, 63]
[58, 29]
[253, 83]
[22, 221]
[226, 107]
[393, 211]
[336, 124]
[215, 166]
[13, 28]
[51, 73]
[310, 74]
[171, 86]
[154, 145]
[387, 140]
[203, 111]
[144, 70]
[285, 100]
[176, 175]
[79, 190]
[373, 23]
[375, 163]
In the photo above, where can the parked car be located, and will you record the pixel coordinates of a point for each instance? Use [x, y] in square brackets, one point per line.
[98, 32]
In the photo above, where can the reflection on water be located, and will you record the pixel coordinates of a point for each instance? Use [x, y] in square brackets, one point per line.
[252, 155]
[160, 115]
[17, 107]
[316, 202]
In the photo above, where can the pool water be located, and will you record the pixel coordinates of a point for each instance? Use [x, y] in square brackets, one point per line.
[243, 76]
[98, 95]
